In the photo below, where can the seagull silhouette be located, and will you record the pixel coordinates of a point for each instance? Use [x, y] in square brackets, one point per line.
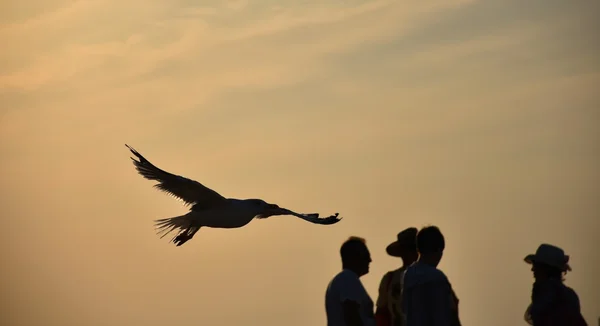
[209, 208]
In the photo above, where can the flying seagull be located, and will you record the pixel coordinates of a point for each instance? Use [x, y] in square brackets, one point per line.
[209, 208]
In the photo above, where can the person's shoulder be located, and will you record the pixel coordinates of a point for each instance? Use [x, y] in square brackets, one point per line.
[347, 286]
[385, 279]
[571, 293]
[411, 268]
[387, 275]
[411, 271]
[397, 275]
[437, 276]
[438, 273]
[421, 273]
[424, 269]
[336, 279]
[400, 270]
[339, 275]
[345, 277]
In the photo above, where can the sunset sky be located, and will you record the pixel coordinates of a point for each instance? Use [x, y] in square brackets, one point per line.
[478, 116]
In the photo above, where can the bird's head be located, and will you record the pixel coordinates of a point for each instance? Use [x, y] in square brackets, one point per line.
[261, 204]
[264, 207]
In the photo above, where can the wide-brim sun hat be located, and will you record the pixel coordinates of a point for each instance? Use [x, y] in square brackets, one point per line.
[550, 255]
[405, 240]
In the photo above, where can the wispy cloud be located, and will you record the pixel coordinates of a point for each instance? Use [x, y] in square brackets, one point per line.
[199, 43]
[178, 58]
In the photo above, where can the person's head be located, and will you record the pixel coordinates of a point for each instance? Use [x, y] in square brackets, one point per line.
[430, 245]
[548, 262]
[542, 271]
[405, 246]
[356, 255]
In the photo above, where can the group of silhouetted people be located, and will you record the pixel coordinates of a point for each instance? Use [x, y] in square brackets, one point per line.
[420, 294]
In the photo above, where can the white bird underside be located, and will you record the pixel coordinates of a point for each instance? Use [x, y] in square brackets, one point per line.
[209, 208]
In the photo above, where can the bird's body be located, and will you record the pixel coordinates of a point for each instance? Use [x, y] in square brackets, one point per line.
[236, 213]
[208, 208]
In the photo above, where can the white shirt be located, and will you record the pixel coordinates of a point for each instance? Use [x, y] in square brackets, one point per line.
[347, 286]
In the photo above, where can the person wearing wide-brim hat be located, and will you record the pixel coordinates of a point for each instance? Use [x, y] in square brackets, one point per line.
[552, 302]
[388, 310]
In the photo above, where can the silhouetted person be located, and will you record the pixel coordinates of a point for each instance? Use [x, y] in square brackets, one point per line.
[552, 302]
[347, 303]
[389, 308]
[427, 296]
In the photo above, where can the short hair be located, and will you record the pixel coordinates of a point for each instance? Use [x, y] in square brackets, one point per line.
[430, 240]
[351, 248]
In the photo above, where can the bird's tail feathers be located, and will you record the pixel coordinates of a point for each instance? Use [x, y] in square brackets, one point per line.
[183, 223]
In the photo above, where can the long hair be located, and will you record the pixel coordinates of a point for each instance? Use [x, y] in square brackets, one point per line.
[527, 315]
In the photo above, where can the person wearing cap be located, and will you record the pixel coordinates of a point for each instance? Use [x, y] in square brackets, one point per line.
[388, 307]
[552, 302]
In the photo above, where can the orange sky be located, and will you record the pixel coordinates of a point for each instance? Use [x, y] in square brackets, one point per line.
[478, 116]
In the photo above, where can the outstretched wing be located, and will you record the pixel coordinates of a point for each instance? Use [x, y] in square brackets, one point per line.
[189, 191]
[312, 218]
